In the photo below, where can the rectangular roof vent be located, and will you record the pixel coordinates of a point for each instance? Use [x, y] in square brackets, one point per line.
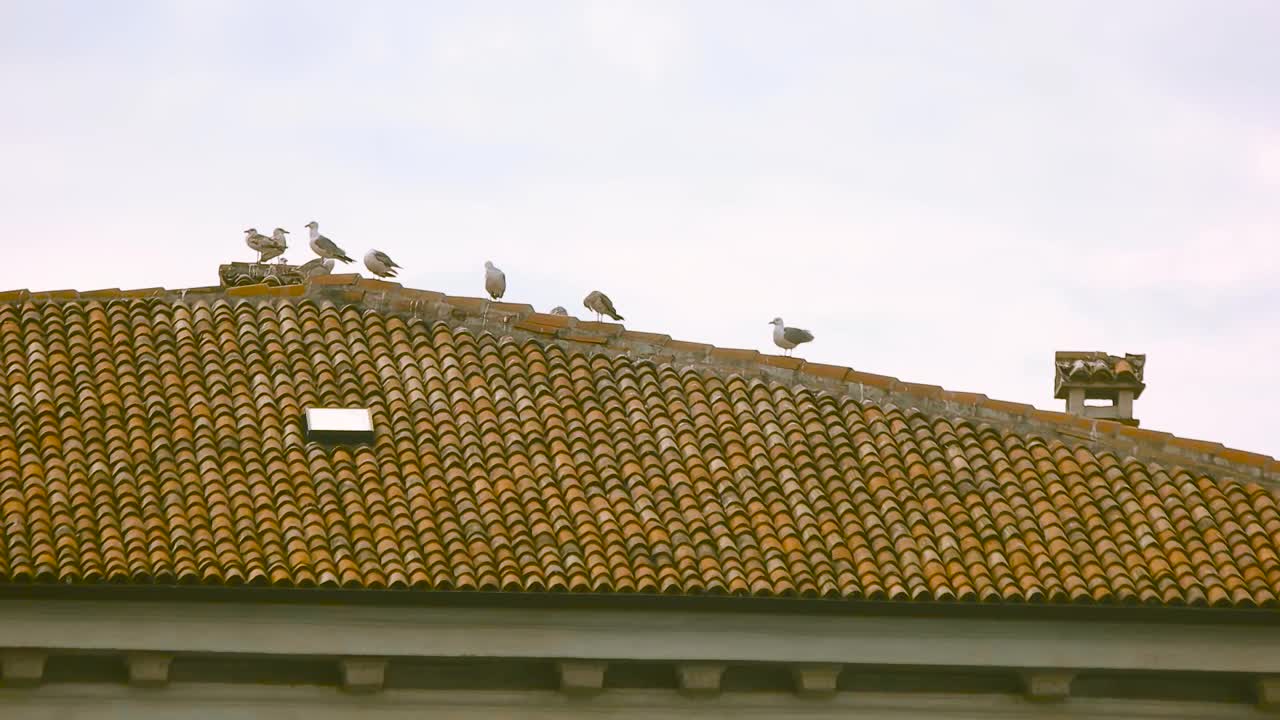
[344, 426]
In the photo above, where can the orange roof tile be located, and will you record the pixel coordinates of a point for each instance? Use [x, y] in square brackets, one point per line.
[159, 439]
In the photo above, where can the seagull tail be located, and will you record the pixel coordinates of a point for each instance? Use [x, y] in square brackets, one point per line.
[616, 316]
[343, 258]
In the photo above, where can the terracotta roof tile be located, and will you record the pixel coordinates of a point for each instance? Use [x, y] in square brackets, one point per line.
[159, 440]
[830, 372]
[781, 361]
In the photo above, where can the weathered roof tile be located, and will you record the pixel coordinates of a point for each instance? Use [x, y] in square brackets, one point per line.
[154, 441]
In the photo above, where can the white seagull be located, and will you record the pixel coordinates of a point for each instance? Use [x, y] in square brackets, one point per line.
[495, 281]
[380, 264]
[323, 246]
[600, 304]
[788, 337]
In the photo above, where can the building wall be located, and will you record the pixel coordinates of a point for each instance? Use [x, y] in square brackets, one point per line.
[67, 660]
[219, 702]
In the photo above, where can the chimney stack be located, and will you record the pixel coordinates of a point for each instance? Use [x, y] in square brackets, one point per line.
[236, 274]
[1080, 376]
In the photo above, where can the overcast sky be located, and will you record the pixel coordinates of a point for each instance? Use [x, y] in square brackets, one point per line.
[946, 192]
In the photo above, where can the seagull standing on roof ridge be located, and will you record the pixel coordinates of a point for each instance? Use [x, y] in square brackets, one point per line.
[788, 337]
[495, 281]
[600, 304]
[276, 246]
[323, 246]
[256, 242]
[559, 310]
[380, 264]
[316, 266]
[259, 244]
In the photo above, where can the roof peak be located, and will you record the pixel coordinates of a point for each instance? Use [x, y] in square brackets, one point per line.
[519, 319]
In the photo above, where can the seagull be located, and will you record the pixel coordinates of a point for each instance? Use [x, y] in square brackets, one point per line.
[316, 266]
[788, 337]
[275, 246]
[257, 242]
[559, 310]
[323, 246]
[380, 264]
[600, 304]
[495, 281]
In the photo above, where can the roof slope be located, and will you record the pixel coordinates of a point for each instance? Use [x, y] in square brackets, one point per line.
[159, 440]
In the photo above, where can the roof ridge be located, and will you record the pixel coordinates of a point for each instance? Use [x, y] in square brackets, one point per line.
[613, 337]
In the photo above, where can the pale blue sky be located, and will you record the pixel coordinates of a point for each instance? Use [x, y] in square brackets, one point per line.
[947, 192]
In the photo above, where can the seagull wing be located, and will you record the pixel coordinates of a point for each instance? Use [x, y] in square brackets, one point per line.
[606, 306]
[385, 259]
[796, 335]
[331, 249]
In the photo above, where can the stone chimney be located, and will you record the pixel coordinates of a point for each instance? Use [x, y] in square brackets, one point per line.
[235, 274]
[1080, 376]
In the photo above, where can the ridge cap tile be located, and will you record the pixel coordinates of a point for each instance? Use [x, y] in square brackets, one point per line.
[462, 302]
[507, 307]
[334, 279]
[734, 354]
[651, 338]
[782, 361]
[692, 348]
[143, 292]
[822, 370]
[372, 284]
[549, 320]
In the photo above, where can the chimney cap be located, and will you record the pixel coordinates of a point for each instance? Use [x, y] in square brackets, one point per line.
[1100, 375]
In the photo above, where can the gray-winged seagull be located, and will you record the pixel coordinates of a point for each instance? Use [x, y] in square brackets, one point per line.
[559, 310]
[323, 246]
[788, 337]
[256, 241]
[276, 246]
[380, 264]
[495, 281]
[600, 304]
[316, 266]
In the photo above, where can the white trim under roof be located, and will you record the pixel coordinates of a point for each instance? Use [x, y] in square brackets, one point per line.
[76, 702]
[345, 630]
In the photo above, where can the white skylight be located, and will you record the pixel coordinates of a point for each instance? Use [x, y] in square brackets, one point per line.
[339, 425]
